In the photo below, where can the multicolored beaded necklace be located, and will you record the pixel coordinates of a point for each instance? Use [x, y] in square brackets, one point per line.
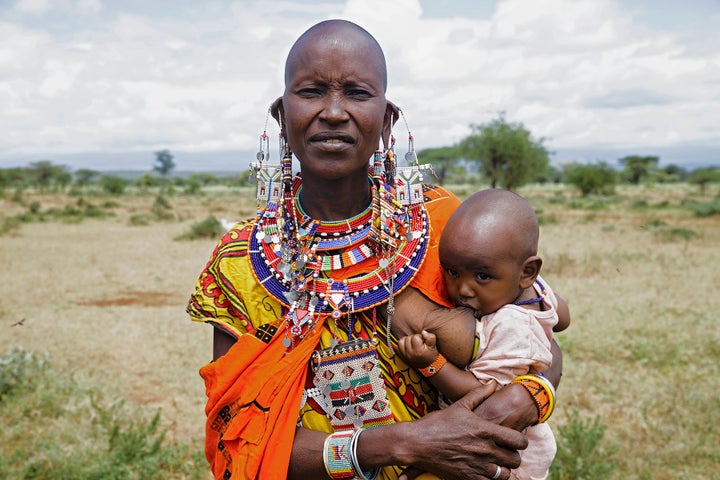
[299, 261]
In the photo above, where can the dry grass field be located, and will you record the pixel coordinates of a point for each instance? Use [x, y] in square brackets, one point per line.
[106, 297]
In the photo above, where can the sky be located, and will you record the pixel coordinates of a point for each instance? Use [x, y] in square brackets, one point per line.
[103, 84]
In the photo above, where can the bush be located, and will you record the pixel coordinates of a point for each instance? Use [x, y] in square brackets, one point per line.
[707, 209]
[599, 178]
[208, 228]
[113, 184]
[20, 370]
[579, 454]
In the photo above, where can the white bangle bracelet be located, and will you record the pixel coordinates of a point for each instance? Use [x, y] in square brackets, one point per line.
[359, 473]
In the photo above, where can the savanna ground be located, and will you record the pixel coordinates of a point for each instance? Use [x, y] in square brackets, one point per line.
[105, 296]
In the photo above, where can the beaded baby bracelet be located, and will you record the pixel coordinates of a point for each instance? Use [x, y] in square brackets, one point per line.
[542, 392]
[434, 367]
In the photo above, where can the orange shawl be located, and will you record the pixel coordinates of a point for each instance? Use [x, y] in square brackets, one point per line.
[254, 393]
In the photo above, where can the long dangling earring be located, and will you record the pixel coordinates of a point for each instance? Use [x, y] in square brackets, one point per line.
[267, 177]
[410, 179]
[286, 162]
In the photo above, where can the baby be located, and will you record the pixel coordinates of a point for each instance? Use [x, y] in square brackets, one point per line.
[488, 251]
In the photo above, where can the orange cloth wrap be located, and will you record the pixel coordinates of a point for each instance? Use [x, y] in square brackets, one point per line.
[254, 394]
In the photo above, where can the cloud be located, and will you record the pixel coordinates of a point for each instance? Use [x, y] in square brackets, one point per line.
[83, 76]
[33, 7]
[629, 98]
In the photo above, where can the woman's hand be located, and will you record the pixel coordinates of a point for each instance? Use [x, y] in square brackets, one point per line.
[456, 445]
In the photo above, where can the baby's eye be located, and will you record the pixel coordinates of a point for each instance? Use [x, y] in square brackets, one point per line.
[451, 273]
[482, 276]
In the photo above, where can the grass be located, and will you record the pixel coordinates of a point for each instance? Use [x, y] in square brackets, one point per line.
[58, 429]
[641, 358]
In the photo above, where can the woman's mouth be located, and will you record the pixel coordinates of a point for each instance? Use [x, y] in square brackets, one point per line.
[332, 139]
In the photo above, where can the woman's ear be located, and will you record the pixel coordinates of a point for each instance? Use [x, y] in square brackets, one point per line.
[278, 113]
[530, 271]
[392, 112]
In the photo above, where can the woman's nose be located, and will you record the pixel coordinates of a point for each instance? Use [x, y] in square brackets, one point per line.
[334, 109]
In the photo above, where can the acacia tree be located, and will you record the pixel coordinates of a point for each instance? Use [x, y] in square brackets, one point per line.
[164, 162]
[637, 167]
[702, 176]
[46, 174]
[506, 152]
[85, 176]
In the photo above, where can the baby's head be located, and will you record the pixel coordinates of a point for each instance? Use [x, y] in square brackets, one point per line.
[488, 250]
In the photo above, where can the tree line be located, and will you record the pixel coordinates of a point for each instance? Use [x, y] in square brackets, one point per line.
[500, 152]
[45, 176]
[506, 155]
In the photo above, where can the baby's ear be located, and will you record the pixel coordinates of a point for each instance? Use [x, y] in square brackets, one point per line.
[530, 270]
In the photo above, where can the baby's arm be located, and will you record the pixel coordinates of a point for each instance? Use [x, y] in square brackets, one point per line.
[419, 350]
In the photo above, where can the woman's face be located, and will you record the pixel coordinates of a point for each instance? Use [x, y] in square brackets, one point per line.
[334, 104]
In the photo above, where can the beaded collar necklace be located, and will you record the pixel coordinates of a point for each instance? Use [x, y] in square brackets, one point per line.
[301, 261]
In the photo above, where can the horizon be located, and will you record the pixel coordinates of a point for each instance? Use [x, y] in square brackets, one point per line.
[689, 158]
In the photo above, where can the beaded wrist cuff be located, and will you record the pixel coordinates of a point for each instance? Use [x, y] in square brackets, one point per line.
[434, 367]
[542, 392]
[338, 463]
[340, 457]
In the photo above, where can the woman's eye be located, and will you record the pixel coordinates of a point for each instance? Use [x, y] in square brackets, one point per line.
[358, 93]
[309, 92]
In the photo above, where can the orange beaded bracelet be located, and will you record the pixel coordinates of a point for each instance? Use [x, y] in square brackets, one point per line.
[434, 367]
[542, 392]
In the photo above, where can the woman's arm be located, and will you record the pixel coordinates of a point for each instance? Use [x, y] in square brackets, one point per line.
[222, 341]
[452, 443]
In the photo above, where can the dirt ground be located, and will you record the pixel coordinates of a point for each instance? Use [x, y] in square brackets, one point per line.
[107, 301]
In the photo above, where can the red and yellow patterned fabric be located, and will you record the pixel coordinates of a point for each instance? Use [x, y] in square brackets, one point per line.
[255, 390]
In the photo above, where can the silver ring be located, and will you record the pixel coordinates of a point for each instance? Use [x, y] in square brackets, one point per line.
[497, 473]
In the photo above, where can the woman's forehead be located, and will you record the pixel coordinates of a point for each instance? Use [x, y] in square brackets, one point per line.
[334, 53]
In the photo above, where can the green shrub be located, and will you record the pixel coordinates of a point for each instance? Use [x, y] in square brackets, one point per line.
[579, 453]
[9, 225]
[139, 220]
[707, 209]
[20, 370]
[208, 228]
[674, 234]
[600, 178]
[113, 184]
[162, 209]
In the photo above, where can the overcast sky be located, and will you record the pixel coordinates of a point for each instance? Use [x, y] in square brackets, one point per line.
[104, 83]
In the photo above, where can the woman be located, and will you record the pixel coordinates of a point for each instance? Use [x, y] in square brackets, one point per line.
[330, 264]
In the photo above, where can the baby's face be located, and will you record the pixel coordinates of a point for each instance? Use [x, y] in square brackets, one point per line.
[480, 272]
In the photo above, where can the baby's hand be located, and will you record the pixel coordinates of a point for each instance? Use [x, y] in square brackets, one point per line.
[418, 350]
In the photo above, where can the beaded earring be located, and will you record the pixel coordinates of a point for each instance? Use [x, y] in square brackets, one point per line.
[267, 177]
[409, 184]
